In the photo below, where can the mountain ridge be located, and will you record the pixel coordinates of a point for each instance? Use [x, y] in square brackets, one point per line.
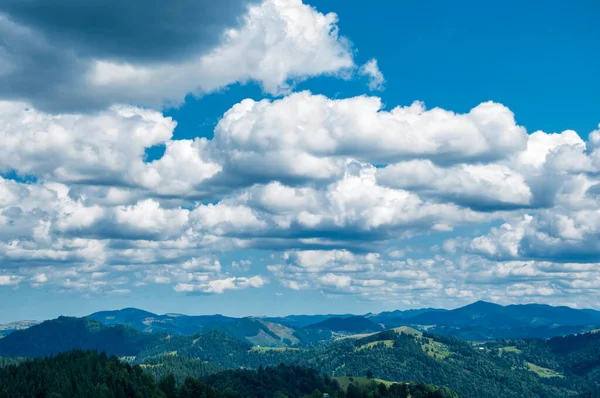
[480, 320]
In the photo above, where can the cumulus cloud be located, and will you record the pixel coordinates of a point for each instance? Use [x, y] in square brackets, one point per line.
[483, 187]
[437, 280]
[126, 57]
[128, 30]
[219, 286]
[324, 184]
[305, 136]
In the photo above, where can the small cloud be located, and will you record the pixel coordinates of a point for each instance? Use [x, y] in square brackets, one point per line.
[40, 278]
[243, 265]
[397, 253]
[371, 70]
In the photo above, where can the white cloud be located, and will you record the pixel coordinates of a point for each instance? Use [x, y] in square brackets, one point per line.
[322, 181]
[219, 286]
[305, 136]
[488, 186]
[9, 280]
[195, 51]
[371, 70]
[283, 41]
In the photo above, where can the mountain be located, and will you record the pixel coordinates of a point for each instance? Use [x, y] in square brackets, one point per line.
[65, 334]
[77, 374]
[483, 321]
[300, 321]
[149, 322]
[355, 324]
[94, 375]
[384, 317]
[558, 367]
[257, 332]
[214, 347]
[393, 355]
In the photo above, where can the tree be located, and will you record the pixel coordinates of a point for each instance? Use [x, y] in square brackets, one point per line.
[369, 374]
[168, 385]
[353, 391]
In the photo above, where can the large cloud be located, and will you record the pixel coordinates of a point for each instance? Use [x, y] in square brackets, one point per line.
[129, 30]
[157, 53]
[437, 280]
[330, 183]
[309, 136]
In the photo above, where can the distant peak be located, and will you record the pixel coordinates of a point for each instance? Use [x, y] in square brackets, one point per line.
[481, 303]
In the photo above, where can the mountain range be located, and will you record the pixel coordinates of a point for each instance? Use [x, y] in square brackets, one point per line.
[558, 367]
[479, 321]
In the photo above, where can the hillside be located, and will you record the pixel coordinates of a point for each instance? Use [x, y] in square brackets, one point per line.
[300, 321]
[484, 321]
[92, 375]
[574, 358]
[478, 321]
[524, 368]
[148, 322]
[257, 332]
[386, 316]
[65, 334]
[76, 374]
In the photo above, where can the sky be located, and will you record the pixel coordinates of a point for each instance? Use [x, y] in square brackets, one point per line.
[276, 157]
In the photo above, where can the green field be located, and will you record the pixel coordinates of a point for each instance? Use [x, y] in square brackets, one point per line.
[408, 330]
[434, 348]
[265, 349]
[511, 348]
[387, 343]
[345, 381]
[543, 372]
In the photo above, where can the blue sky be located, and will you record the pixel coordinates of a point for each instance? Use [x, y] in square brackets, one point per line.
[281, 189]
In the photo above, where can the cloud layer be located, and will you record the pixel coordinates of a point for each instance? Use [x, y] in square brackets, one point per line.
[343, 195]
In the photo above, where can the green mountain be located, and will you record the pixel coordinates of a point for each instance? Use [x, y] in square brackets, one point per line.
[491, 315]
[77, 374]
[477, 321]
[65, 334]
[487, 321]
[148, 322]
[256, 331]
[559, 367]
[300, 321]
[397, 356]
[88, 374]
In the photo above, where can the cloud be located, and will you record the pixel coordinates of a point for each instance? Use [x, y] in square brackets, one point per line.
[372, 72]
[332, 188]
[305, 136]
[438, 280]
[219, 286]
[128, 30]
[193, 50]
[9, 280]
[482, 187]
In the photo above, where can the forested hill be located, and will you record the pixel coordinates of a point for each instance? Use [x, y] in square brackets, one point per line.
[478, 321]
[88, 374]
[560, 367]
[66, 333]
